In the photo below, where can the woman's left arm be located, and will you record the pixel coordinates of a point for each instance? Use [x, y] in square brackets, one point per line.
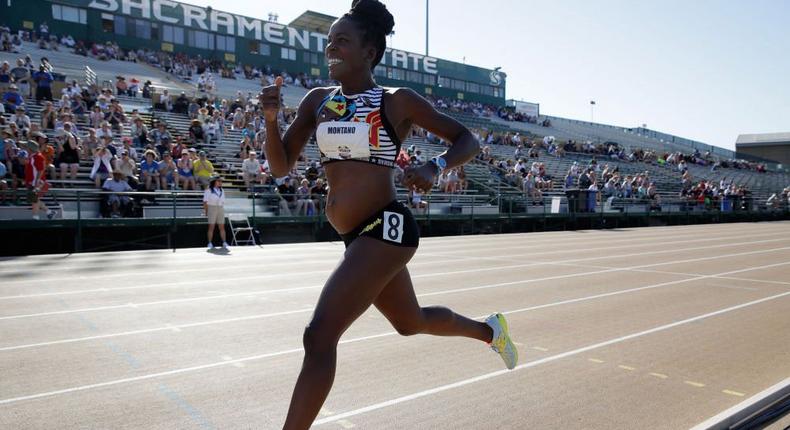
[418, 111]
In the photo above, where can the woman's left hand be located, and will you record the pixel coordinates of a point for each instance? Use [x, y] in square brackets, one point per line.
[420, 178]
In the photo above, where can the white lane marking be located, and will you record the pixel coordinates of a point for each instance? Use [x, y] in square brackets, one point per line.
[694, 384]
[360, 339]
[539, 362]
[733, 287]
[738, 412]
[310, 308]
[733, 393]
[595, 360]
[537, 348]
[658, 375]
[499, 258]
[458, 290]
[628, 368]
[669, 272]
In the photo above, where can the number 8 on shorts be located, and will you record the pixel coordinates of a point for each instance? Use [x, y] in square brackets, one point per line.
[393, 227]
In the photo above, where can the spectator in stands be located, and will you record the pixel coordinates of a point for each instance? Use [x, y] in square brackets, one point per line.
[127, 166]
[416, 202]
[214, 208]
[5, 73]
[102, 165]
[68, 154]
[160, 134]
[149, 171]
[48, 117]
[21, 76]
[168, 172]
[196, 133]
[185, 175]
[117, 184]
[181, 103]
[12, 99]
[287, 193]
[21, 120]
[139, 132]
[36, 181]
[318, 193]
[115, 116]
[96, 117]
[251, 171]
[304, 204]
[43, 79]
[3, 183]
[202, 169]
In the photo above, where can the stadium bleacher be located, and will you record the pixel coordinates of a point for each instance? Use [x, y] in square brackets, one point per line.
[484, 190]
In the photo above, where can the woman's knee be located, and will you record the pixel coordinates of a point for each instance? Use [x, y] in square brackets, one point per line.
[410, 326]
[319, 338]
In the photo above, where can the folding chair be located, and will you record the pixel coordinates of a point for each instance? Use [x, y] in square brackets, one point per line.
[239, 225]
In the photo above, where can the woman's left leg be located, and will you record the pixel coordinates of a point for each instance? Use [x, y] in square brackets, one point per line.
[399, 305]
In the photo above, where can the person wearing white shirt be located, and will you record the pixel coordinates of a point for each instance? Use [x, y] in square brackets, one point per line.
[214, 208]
[251, 170]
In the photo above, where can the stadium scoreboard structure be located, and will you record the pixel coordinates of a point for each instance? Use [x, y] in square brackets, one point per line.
[170, 26]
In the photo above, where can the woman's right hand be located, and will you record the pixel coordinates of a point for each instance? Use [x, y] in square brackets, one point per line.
[269, 100]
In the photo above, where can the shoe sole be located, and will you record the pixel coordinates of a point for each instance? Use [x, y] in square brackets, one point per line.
[503, 322]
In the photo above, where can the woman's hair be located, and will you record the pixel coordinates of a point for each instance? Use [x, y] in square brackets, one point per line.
[213, 182]
[376, 23]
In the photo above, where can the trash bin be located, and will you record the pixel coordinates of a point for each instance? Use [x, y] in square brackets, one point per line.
[573, 200]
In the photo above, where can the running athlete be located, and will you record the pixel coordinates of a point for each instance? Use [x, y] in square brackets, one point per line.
[359, 128]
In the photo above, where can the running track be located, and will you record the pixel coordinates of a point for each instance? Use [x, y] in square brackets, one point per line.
[656, 328]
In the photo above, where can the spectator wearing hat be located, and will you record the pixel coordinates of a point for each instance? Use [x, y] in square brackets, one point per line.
[134, 85]
[214, 208]
[102, 165]
[168, 172]
[43, 79]
[185, 176]
[149, 171]
[202, 169]
[115, 116]
[68, 154]
[196, 132]
[36, 181]
[121, 87]
[117, 184]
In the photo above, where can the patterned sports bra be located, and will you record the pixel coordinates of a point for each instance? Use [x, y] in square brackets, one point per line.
[355, 128]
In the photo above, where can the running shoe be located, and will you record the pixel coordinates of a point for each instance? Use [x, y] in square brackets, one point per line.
[210, 246]
[225, 246]
[501, 343]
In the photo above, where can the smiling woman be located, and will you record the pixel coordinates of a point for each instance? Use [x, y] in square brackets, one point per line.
[359, 128]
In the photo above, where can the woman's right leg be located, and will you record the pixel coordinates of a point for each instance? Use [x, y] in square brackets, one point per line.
[210, 232]
[367, 268]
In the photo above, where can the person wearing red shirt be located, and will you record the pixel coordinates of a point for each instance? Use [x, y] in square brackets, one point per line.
[36, 181]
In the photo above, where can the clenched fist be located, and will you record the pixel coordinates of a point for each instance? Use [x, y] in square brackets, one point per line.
[269, 99]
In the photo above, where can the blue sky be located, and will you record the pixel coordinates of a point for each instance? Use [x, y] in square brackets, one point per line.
[702, 69]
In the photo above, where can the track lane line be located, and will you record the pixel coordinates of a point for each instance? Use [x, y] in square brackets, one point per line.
[342, 342]
[535, 363]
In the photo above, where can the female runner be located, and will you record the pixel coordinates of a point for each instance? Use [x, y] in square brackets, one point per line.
[359, 127]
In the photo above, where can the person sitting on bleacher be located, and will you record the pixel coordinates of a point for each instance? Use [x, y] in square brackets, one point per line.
[78, 106]
[5, 73]
[202, 169]
[168, 172]
[117, 184]
[139, 132]
[21, 76]
[115, 116]
[185, 175]
[12, 99]
[102, 165]
[128, 168]
[21, 120]
[181, 104]
[196, 132]
[68, 153]
[149, 171]
[251, 171]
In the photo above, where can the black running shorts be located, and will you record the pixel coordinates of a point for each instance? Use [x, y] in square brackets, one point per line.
[394, 224]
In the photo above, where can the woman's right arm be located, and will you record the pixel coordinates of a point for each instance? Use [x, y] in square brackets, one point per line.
[283, 152]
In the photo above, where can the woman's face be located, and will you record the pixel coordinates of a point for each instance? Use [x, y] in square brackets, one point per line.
[346, 54]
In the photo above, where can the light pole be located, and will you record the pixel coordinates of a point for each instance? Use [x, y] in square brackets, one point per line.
[592, 108]
[427, 3]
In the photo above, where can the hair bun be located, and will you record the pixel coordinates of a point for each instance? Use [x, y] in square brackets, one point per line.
[375, 12]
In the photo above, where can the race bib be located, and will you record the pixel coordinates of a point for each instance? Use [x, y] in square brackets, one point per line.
[340, 140]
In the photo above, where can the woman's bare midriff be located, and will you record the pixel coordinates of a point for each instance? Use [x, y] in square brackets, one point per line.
[356, 191]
